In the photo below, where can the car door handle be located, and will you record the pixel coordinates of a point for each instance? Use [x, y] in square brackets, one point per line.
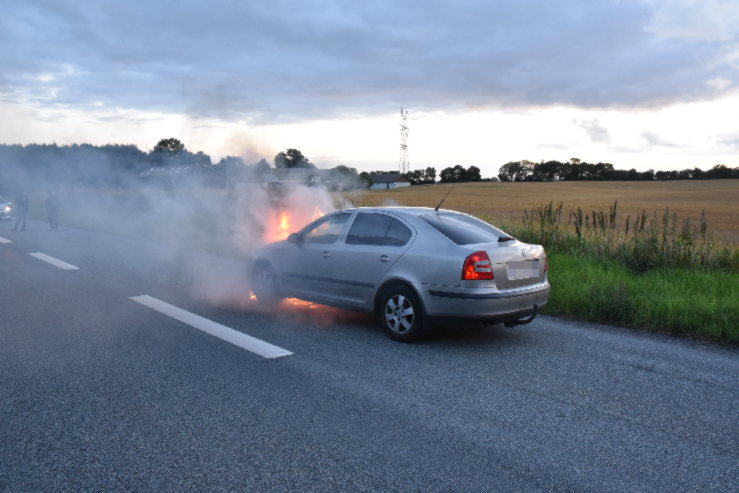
[384, 259]
[325, 254]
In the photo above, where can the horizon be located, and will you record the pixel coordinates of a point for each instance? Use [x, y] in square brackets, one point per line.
[639, 84]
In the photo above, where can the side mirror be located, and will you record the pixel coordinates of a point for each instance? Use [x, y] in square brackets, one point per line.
[293, 238]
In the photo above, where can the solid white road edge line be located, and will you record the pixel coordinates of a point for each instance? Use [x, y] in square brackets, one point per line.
[3, 240]
[53, 261]
[252, 344]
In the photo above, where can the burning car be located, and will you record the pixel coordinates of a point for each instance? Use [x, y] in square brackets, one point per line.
[407, 265]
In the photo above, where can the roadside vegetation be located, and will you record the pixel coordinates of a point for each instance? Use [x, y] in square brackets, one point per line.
[653, 271]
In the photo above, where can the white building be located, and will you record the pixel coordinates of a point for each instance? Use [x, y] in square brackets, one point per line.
[388, 180]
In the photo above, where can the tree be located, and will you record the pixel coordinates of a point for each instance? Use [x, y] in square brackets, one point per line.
[292, 158]
[547, 171]
[172, 145]
[473, 174]
[429, 175]
[345, 178]
[231, 170]
[345, 170]
[261, 167]
[719, 171]
[415, 177]
[365, 178]
[202, 159]
[454, 175]
[516, 171]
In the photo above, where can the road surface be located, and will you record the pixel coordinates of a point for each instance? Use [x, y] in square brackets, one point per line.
[103, 389]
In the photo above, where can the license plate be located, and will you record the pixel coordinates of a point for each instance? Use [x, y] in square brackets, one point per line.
[523, 270]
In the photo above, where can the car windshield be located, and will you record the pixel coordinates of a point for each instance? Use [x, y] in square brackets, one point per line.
[463, 229]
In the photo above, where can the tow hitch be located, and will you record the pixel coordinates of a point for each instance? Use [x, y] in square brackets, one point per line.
[523, 321]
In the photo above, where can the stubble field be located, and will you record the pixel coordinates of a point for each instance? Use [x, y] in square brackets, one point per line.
[505, 202]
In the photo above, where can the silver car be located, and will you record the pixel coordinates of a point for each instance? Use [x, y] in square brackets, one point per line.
[409, 266]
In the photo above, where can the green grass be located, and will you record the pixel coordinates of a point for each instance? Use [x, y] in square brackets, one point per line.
[697, 303]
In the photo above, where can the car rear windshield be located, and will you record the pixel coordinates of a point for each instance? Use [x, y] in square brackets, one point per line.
[463, 229]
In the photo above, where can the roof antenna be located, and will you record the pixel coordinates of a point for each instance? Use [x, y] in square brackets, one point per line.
[445, 196]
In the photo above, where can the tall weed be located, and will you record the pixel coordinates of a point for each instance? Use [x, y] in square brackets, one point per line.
[642, 243]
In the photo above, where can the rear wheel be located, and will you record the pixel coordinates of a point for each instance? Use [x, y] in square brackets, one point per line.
[401, 314]
[265, 285]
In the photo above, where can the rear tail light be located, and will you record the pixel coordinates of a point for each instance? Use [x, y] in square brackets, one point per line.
[477, 267]
[546, 265]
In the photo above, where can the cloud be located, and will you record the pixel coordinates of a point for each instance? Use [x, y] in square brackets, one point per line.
[655, 140]
[696, 20]
[597, 132]
[283, 60]
[718, 83]
[729, 140]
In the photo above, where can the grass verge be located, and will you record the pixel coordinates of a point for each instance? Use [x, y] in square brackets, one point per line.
[691, 302]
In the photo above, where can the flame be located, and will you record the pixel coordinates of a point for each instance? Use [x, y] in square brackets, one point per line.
[278, 228]
[252, 296]
[284, 222]
[281, 222]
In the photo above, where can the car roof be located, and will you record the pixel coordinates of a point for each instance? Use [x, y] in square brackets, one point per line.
[411, 211]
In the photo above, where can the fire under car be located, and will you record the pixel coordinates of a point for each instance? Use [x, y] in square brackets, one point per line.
[411, 266]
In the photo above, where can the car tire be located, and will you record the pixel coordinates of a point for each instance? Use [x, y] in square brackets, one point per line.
[401, 314]
[265, 285]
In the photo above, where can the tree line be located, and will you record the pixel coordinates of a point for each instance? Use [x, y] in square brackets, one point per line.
[427, 176]
[115, 166]
[576, 170]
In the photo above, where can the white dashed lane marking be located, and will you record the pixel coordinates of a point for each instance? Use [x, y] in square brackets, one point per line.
[3, 240]
[252, 344]
[53, 261]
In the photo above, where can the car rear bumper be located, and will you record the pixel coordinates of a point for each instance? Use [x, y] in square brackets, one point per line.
[483, 303]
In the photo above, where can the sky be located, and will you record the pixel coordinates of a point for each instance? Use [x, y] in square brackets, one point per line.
[637, 83]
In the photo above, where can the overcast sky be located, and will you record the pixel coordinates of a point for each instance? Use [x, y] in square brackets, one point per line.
[639, 83]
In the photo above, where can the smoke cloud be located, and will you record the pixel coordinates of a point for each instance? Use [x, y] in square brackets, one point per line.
[206, 221]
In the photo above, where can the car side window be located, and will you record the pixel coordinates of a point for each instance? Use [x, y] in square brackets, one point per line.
[377, 229]
[326, 231]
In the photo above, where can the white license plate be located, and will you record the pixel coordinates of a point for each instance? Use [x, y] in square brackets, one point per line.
[523, 270]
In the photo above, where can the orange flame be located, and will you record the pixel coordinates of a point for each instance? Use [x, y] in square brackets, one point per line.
[284, 222]
[281, 222]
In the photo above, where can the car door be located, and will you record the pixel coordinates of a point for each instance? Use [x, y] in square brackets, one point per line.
[307, 263]
[374, 242]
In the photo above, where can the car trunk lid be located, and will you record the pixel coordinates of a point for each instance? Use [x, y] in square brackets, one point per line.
[515, 264]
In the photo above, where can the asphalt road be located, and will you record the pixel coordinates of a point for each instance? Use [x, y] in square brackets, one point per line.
[99, 392]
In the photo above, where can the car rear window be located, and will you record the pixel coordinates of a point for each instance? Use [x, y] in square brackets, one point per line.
[377, 229]
[463, 229]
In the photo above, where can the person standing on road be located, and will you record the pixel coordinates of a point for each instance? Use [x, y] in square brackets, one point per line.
[52, 209]
[22, 206]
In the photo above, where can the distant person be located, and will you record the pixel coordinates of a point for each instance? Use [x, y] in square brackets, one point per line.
[52, 209]
[22, 206]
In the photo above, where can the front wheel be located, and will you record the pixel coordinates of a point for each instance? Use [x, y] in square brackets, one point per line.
[264, 286]
[402, 314]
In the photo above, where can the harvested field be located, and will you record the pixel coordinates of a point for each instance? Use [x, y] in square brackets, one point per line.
[505, 202]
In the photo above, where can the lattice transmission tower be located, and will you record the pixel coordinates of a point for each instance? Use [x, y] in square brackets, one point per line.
[404, 164]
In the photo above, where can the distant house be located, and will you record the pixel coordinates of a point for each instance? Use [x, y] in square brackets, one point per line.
[387, 181]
